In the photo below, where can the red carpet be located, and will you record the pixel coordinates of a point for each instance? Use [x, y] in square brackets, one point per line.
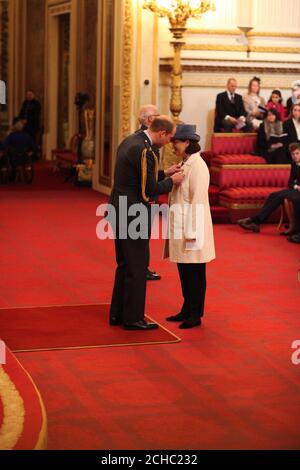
[44, 179]
[229, 384]
[63, 327]
[23, 422]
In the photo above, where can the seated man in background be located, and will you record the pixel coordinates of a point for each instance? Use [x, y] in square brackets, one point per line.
[292, 193]
[19, 146]
[230, 111]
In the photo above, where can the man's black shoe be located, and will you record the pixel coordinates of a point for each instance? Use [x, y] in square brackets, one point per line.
[294, 238]
[248, 224]
[152, 276]
[189, 324]
[179, 317]
[115, 321]
[141, 325]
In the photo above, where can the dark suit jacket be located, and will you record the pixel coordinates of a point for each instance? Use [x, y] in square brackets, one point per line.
[289, 128]
[262, 145]
[31, 111]
[294, 175]
[224, 107]
[128, 173]
[289, 105]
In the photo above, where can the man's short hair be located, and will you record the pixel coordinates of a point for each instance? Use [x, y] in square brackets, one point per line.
[294, 146]
[162, 123]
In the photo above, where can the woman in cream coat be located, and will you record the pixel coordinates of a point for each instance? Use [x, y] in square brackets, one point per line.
[191, 241]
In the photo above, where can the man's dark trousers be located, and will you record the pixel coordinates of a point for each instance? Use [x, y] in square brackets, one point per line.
[273, 202]
[129, 293]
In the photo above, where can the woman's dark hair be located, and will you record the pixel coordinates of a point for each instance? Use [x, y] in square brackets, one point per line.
[292, 109]
[274, 112]
[254, 79]
[278, 93]
[193, 147]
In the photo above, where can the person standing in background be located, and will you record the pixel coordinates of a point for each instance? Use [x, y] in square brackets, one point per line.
[31, 114]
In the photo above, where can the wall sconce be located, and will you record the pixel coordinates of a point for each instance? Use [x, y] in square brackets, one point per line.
[244, 37]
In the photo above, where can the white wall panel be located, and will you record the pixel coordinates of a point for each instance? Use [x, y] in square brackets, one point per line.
[276, 15]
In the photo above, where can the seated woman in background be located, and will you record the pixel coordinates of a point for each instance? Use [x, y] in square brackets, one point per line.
[292, 125]
[275, 102]
[272, 148]
[252, 100]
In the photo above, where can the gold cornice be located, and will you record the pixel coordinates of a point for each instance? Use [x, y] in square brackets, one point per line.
[219, 32]
[235, 60]
[235, 32]
[231, 48]
[233, 68]
[126, 69]
[60, 8]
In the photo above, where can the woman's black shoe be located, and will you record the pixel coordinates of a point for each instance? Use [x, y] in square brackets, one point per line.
[179, 317]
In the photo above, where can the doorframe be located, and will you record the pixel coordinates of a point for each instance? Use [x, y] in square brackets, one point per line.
[53, 10]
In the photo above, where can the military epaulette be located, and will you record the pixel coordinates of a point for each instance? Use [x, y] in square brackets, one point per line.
[147, 145]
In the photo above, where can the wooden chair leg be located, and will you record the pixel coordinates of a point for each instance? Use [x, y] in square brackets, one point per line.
[280, 223]
[289, 209]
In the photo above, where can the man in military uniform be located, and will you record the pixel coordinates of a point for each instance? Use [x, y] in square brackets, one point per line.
[137, 178]
[147, 113]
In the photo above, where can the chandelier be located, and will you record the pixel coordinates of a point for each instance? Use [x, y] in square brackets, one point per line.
[179, 11]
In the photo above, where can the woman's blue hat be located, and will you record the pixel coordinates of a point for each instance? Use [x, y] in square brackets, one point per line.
[186, 132]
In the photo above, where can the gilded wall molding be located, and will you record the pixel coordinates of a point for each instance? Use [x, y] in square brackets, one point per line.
[127, 69]
[60, 9]
[217, 80]
[232, 69]
[231, 48]
[237, 32]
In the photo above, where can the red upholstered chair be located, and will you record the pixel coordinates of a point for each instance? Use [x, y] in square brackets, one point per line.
[233, 143]
[65, 158]
[246, 202]
[243, 178]
[249, 175]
